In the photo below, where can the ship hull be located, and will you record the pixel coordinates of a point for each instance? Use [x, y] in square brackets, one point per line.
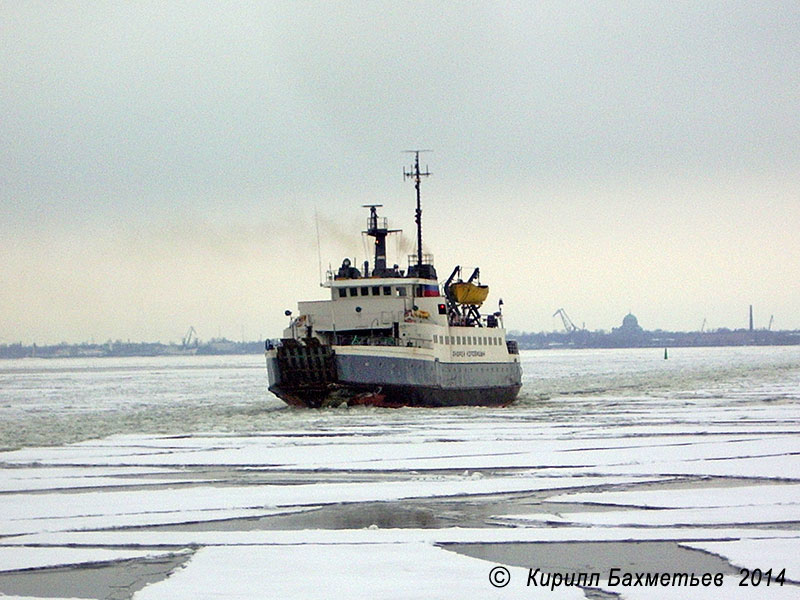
[395, 396]
[388, 379]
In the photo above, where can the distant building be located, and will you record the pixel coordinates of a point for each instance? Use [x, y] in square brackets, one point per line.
[630, 327]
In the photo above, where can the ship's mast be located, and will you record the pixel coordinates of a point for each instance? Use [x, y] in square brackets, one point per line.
[416, 174]
[377, 227]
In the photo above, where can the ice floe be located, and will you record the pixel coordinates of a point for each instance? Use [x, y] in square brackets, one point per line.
[388, 571]
[16, 558]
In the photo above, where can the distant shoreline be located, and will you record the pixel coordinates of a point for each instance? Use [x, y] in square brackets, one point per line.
[638, 338]
[118, 348]
[526, 341]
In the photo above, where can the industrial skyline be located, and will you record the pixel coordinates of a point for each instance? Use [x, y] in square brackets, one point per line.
[564, 326]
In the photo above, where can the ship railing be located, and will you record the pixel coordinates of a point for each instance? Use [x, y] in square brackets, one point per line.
[487, 321]
[378, 223]
[365, 340]
[462, 321]
[427, 259]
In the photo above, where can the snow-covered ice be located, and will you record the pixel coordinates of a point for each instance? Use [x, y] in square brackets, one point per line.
[762, 554]
[700, 453]
[401, 571]
[725, 515]
[13, 558]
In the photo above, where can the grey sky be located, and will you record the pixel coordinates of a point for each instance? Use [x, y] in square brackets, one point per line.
[161, 162]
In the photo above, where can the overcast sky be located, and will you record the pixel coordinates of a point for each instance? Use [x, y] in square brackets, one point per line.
[162, 162]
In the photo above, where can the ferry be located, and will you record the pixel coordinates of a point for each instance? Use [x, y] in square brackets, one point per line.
[390, 337]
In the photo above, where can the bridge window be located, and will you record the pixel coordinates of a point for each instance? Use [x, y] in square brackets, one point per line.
[365, 291]
[387, 290]
[401, 291]
[342, 292]
[353, 292]
[376, 290]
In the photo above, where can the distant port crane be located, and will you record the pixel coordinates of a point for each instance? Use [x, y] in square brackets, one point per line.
[190, 337]
[569, 326]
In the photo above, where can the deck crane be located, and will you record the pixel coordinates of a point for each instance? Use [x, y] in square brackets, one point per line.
[569, 326]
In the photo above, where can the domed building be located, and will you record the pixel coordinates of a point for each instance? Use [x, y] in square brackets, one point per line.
[630, 323]
[630, 327]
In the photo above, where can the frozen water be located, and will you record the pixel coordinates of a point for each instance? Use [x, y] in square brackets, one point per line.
[50, 402]
[727, 515]
[398, 571]
[15, 558]
[123, 460]
[774, 554]
[744, 495]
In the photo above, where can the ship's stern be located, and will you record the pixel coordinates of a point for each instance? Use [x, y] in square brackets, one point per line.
[302, 374]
